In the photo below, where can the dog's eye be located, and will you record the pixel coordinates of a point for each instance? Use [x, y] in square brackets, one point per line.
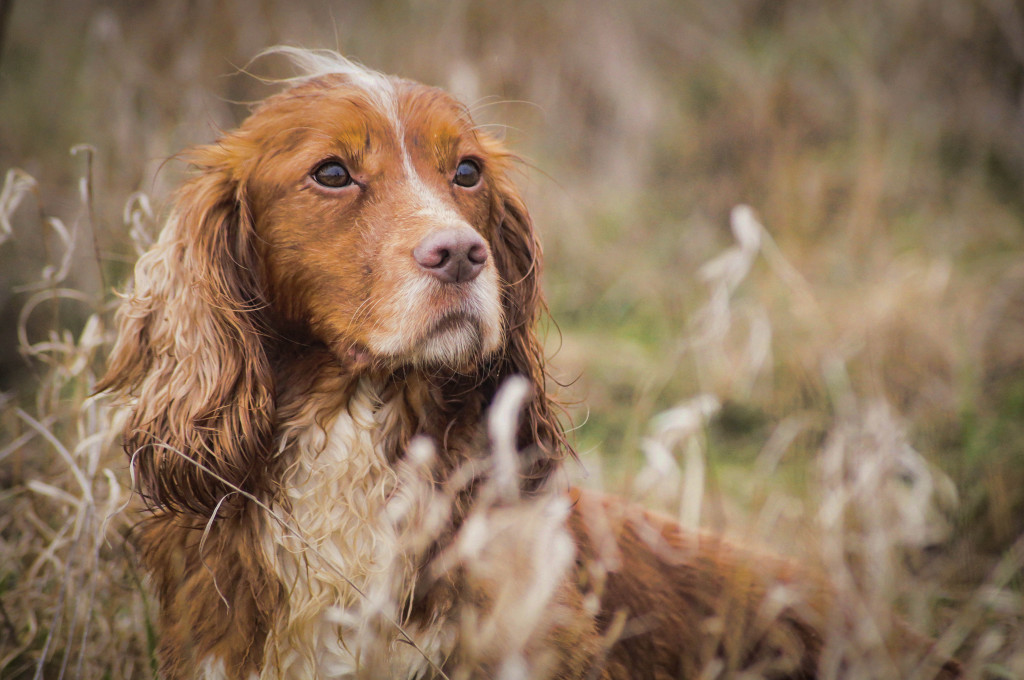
[332, 174]
[467, 174]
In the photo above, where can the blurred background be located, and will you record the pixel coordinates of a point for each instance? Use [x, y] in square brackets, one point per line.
[714, 362]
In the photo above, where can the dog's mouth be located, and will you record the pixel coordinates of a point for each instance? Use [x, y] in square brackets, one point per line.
[426, 324]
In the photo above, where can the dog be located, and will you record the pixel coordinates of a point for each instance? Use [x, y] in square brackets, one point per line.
[350, 278]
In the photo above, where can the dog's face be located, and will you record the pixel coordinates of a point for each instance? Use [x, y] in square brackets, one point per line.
[373, 204]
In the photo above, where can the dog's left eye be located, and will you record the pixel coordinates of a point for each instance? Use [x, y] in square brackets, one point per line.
[332, 174]
[467, 174]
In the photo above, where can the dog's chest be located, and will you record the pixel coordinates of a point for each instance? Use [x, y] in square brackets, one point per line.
[345, 573]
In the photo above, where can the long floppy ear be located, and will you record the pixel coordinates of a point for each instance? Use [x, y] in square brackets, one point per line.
[517, 254]
[189, 358]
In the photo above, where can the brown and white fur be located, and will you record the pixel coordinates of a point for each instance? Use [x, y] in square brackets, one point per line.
[350, 277]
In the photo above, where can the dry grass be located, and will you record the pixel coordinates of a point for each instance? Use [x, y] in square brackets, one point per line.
[72, 601]
[848, 367]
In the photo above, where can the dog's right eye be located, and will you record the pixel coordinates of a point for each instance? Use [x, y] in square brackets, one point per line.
[331, 174]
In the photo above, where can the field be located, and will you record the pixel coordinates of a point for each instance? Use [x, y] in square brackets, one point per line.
[784, 259]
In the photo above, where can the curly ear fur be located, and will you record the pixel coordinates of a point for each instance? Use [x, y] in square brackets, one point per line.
[518, 256]
[189, 358]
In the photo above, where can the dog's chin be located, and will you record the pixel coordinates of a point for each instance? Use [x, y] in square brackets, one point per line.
[456, 341]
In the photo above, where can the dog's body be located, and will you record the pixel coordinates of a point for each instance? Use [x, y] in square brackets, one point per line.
[349, 271]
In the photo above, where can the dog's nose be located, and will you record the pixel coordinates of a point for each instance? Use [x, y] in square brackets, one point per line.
[452, 255]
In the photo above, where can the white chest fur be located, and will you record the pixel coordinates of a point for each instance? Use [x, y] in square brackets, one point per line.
[340, 558]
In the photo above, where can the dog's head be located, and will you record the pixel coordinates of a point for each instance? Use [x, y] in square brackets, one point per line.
[377, 209]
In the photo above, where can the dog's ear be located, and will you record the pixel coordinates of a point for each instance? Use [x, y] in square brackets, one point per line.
[517, 255]
[189, 358]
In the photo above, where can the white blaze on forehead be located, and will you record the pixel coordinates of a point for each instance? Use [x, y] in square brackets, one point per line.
[380, 90]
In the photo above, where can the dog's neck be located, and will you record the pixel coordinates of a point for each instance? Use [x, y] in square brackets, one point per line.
[313, 387]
